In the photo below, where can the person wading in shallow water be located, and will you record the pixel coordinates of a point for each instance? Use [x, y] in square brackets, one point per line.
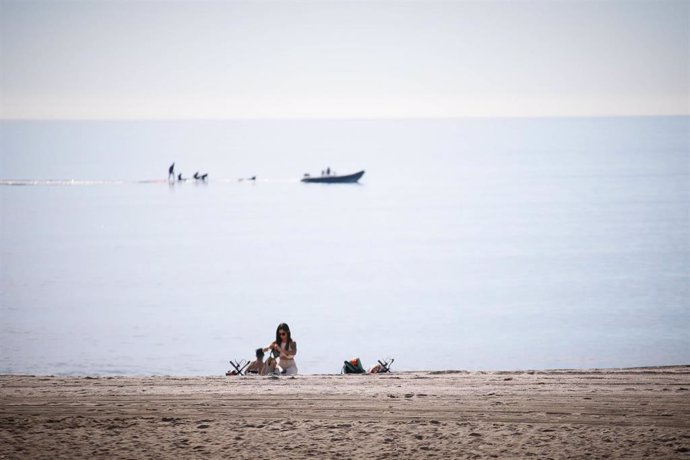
[286, 349]
[171, 171]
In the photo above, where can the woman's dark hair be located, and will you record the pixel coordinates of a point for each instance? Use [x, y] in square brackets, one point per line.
[259, 353]
[286, 328]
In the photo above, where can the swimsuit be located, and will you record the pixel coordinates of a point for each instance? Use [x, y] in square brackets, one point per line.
[287, 366]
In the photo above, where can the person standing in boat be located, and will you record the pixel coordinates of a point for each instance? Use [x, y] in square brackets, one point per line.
[286, 349]
[328, 171]
[171, 171]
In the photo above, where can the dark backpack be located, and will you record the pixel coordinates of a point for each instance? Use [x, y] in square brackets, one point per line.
[354, 366]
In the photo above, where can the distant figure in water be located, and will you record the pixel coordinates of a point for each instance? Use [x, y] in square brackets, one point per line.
[171, 171]
[196, 175]
[203, 176]
[179, 177]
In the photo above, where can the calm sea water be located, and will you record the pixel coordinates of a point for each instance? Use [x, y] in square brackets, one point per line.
[471, 244]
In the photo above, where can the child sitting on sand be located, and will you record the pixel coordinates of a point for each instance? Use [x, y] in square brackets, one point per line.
[260, 367]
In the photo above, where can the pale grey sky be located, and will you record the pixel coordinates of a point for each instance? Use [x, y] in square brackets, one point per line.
[249, 59]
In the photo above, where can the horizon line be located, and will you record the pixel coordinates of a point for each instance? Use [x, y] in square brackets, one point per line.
[345, 118]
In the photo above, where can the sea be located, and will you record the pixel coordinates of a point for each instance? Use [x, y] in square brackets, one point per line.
[468, 244]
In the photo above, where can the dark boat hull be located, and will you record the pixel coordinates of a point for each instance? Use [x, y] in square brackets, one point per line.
[351, 178]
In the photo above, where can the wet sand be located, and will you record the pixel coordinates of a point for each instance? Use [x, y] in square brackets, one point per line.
[615, 413]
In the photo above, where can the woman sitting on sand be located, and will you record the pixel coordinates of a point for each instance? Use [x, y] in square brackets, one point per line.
[286, 349]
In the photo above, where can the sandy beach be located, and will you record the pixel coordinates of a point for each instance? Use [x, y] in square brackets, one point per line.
[621, 413]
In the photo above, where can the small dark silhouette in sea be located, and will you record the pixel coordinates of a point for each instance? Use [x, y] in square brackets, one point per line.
[196, 176]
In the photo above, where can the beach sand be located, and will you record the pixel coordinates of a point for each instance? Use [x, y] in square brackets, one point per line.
[621, 413]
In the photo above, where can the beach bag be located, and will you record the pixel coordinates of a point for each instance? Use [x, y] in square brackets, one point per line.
[353, 366]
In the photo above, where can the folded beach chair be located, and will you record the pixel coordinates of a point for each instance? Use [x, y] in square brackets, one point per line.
[385, 365]
[239, 366]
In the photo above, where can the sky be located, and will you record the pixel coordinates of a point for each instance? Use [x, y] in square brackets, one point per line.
[334, 59]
